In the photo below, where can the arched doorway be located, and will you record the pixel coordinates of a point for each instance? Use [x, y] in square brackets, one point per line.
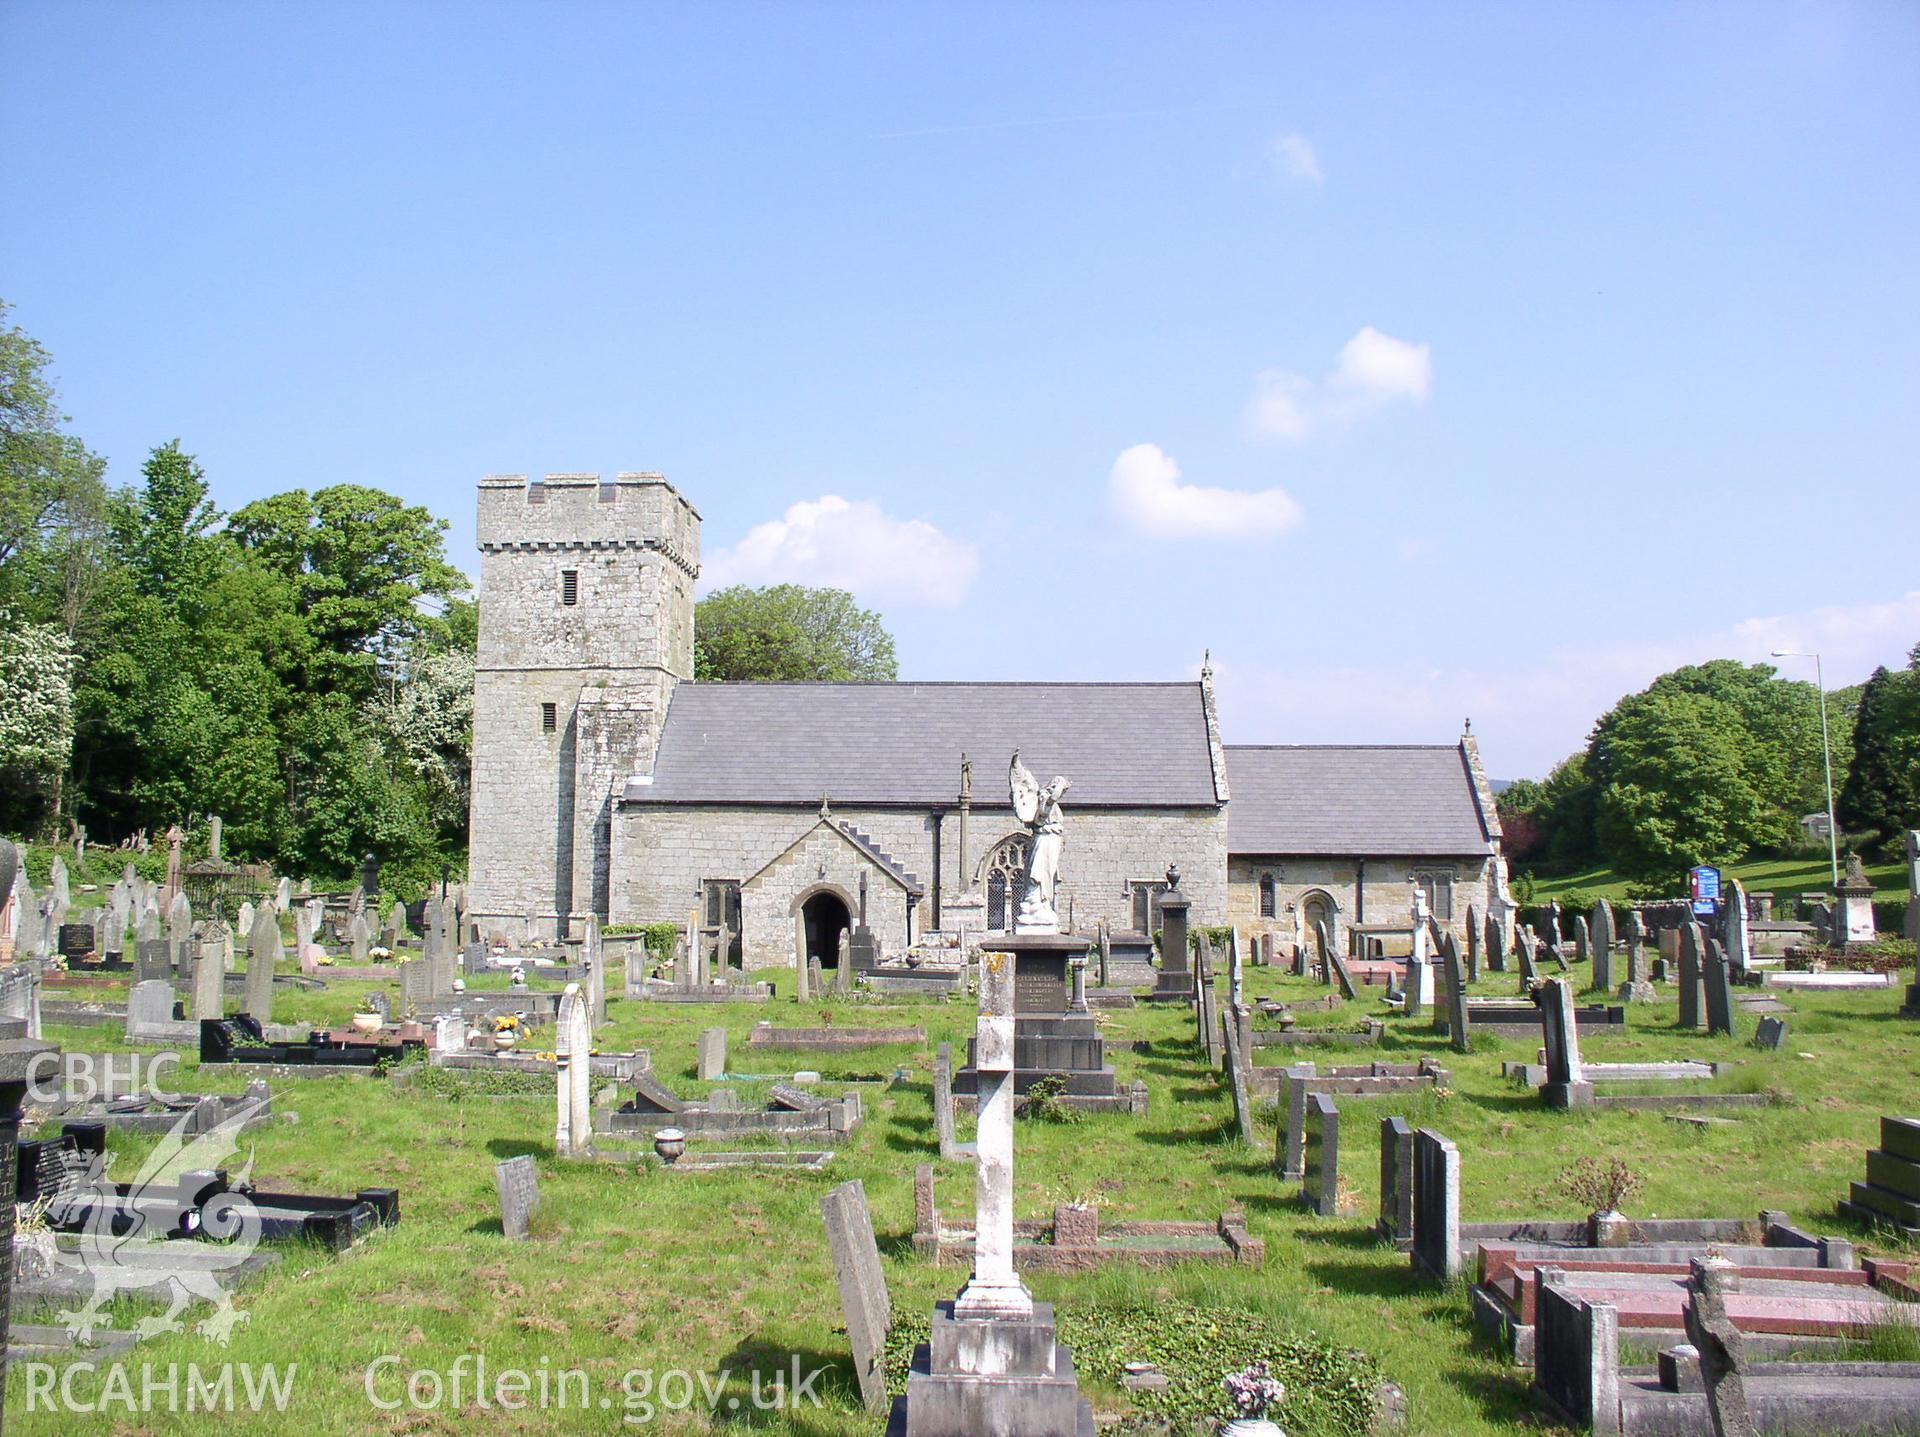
[1006, 869]
[1315, 908]
[826, 918]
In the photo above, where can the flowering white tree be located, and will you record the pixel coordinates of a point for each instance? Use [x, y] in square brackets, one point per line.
[426, 722]
[36, 702]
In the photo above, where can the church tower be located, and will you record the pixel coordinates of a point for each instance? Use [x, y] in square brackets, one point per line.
[586, 624]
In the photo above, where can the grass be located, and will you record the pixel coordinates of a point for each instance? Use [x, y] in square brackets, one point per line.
[630, 1269]
[1785, 878]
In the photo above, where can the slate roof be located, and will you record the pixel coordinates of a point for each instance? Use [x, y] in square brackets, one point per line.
[1406, 801]
[1123, 745]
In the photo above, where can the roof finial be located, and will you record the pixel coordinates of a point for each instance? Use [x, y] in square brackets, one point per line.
[1469, 727]
[826, 808]
[1206, 664]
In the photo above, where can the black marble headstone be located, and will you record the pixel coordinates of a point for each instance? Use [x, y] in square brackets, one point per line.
[1040, 983]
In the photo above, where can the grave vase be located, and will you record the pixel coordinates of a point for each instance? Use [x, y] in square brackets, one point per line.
[1251, 1427]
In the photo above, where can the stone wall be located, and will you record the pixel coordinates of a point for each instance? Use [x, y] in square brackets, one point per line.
[539, 827]
[1389, 890]
[661, 853]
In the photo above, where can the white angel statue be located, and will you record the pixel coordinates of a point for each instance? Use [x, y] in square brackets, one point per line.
[1039, 809]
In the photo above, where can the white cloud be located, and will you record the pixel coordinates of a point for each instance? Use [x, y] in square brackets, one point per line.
[838, 543]
[1150, 498]
[1371, 371]
[1294, 155]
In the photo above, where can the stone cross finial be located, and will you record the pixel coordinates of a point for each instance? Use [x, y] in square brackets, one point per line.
[826, 807]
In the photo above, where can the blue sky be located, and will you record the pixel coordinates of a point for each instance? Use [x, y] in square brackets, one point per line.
[1421, 361]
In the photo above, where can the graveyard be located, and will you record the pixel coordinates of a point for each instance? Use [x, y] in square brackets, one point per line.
[718, 1260]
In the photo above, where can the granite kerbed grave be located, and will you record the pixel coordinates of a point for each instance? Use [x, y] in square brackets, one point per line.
[1298, 1083]
[1075, 1238]
[1709, 1382]
[240, 1040]
[1367, 1035]
[1780, 979]
[790, 1114]
[1050, 1040]
[621, 1067]
[50, 1170]
[661, 990]
[201, 1112]
[1891, 1193]
[765, 1035]
[1520, 1018]
[1571, 1083]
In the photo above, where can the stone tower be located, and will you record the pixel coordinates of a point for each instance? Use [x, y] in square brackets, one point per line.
[586, 624]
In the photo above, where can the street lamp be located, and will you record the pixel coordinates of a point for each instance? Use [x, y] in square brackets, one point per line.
[1826, 746]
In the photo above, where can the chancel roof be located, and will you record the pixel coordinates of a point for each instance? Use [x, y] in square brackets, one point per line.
[1408, 801]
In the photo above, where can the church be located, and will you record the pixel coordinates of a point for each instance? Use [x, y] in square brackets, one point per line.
[607, 782]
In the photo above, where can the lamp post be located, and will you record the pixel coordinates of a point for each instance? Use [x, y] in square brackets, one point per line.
[1826, 748]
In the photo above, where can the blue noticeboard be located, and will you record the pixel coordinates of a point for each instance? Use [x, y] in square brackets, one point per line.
[1703, 887]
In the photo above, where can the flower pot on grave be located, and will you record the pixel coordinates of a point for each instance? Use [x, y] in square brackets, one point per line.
[365, 1022]
[502, 1042]
[669, 1143]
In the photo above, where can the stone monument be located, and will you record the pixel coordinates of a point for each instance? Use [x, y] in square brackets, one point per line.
[1174, 982]
[1853, 906]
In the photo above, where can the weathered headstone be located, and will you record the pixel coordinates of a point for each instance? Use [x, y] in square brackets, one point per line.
[1396, 1182]
[1320, 1182]
[243, 920]
[149, 1008]
[863, 1287]
[1637, 988]
[1566, 1085]
[943, 1099]
[802, 974]
[1458, 1036]
[209, 979]
[263, 953]
[1238, 1080]
[593, 955]
[57, 883]
[1524, 945]
[359, 937]
[1106, 953]
[573, 1044]
[1496, 944]
[1735, 932]
[1717, 980]
[1721, 1345]
[712, 1054]
[519, 1190]
[1475, 932]
[1582, 938]
[1691, 976]
[151, 960]
[1771, 1033]
[1601, 933]
[1331, 955]
[180, 934]
[843, 975]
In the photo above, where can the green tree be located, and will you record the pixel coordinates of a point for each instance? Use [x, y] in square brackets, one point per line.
[1881, 792]
[426, 723]
[789, 632]
[365, 568]
[166, 531]
[1675, 774]
[45, 473]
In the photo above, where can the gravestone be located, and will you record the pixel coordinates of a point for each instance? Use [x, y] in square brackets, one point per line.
[1734, 931]
[148, 928]
[1237, 1080]
[1720, 1344]
[572, 1047]
[1496, 944]
[1396, 1182]
[416, 985]
[152, 960]
[243, 920]
[843, 975]
[450, 1033]
[209, 979]
[863, 1287]
[1602, 937]
[1717, 980]
[283, 894]
[1475, 932]
[712, 1054]
[802, 966]
[1320, 1178]
[593, 955]
[1436, 1206]
[1175, 981]
[1566, 1085]
[149, 1008]
[113, 935]
[1458, 1037]
[1772, 1033]
[57, 883]
[180, 934]
[1692, 993]
[396, 926]
[1106, 952]
[1331, 956]
[1524, 944]
[1582, 938]
[263, 952]
[74, 941]
[943, 1100]
[359, 937]
[519, 1190]
[1912, 851]
[1637, 988]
